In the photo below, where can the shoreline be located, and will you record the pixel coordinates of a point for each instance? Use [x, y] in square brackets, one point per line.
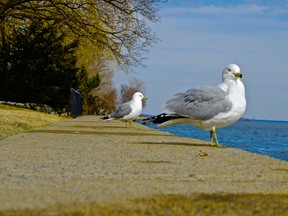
[86, 160]
[237, 136]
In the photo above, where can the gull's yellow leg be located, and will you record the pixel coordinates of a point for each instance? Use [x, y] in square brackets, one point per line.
[211, 137]
[128, 124]
[214, 135]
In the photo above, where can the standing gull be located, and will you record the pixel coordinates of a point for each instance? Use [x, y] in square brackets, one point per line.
[207, 107]
[128, 111]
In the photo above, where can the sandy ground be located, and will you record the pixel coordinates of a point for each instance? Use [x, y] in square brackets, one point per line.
[88, 160]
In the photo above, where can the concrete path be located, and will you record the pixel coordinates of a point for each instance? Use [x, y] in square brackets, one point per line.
[88, 160]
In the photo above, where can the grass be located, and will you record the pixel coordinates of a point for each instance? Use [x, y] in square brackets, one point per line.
[17, 120]
[170, 205]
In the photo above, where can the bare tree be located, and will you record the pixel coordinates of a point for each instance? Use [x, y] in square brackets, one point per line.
[127, 90]
[105, 94]
[119, 27]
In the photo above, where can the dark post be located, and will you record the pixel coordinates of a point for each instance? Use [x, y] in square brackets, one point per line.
[77, 101]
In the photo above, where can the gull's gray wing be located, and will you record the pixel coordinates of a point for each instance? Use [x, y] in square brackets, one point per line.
[199, 103]
[121, 110]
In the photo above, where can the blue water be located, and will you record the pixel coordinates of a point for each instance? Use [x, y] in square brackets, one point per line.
[258, 136]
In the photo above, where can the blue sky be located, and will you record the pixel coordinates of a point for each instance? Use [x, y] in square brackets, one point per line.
[200, 37]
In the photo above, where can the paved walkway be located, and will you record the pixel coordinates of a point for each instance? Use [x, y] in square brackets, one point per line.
[88, 160]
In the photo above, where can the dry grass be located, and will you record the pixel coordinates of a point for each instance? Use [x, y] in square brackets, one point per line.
[16, 120]
[170, 205]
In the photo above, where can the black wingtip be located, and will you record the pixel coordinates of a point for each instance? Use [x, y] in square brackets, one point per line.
[163, 117]
[105, 117]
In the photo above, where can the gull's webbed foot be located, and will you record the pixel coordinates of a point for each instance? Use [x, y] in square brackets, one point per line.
[217, 145]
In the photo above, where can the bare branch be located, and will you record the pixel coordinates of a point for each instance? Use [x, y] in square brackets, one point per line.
[120, 27]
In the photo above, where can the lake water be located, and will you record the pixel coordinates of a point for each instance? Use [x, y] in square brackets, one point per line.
[258, 136]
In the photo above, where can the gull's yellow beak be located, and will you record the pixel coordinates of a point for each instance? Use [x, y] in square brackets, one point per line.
[145, 98]
[239, 75]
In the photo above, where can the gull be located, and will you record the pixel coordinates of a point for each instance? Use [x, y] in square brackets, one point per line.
[207, 107]
[129, 110]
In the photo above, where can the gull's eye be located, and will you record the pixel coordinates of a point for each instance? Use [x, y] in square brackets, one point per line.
[229, 70]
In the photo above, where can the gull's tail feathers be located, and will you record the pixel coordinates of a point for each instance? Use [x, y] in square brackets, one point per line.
[174, 121]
